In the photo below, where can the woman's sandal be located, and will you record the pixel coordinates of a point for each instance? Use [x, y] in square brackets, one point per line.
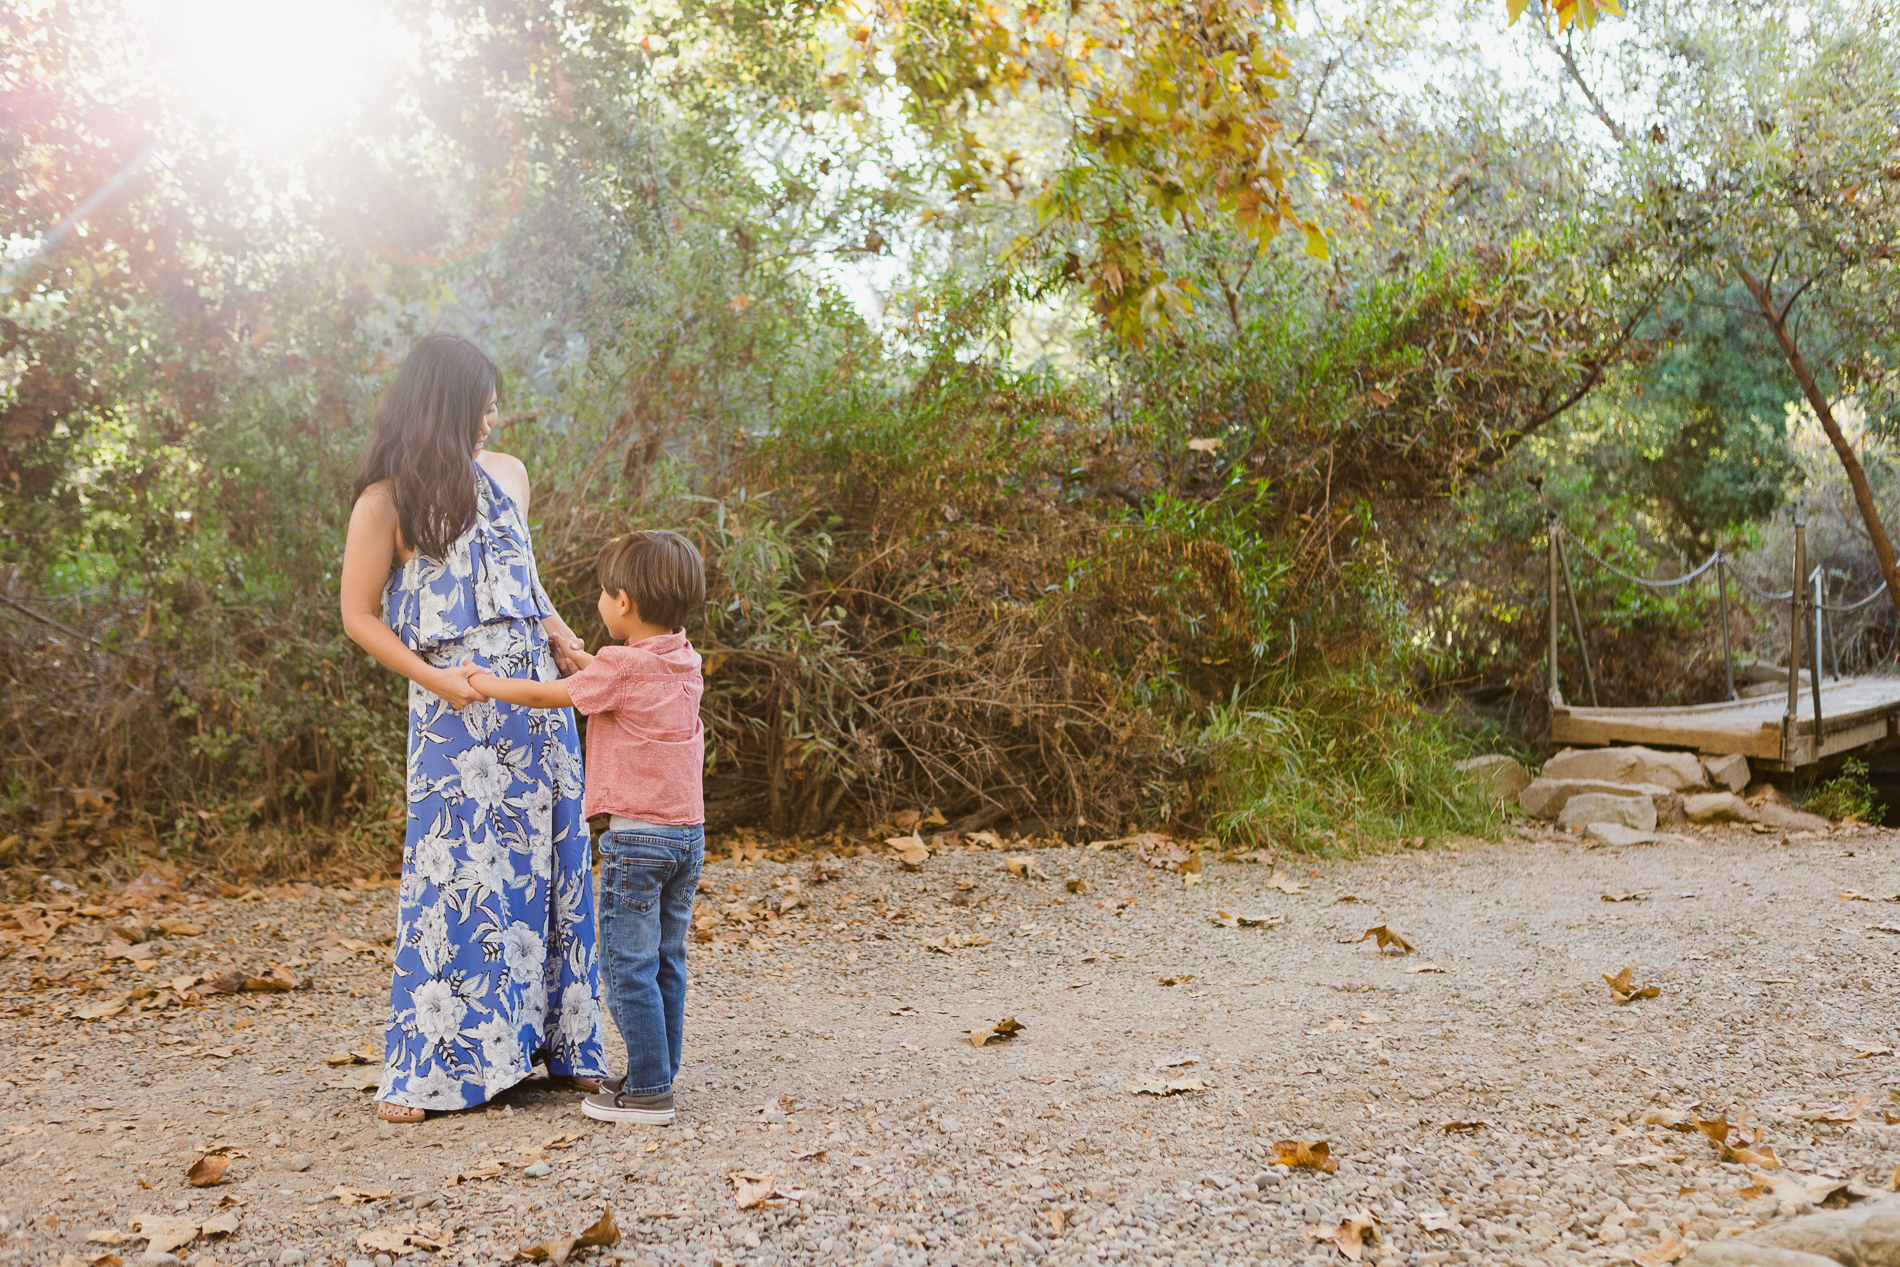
[401, 1114]
[586, 1086]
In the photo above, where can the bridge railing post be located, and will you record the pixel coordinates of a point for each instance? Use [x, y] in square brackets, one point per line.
[1814, 654]
[1795, 617]
[1728, 647]
[1550, 589]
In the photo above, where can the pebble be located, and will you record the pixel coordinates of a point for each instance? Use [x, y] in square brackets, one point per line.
[537, 1169]
[290, 1257]
[298, 1162]
[156, 1258]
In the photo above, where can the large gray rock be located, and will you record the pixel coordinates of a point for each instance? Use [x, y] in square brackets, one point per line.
[1728, 771]
[1789, 819]
[1505, 775]
[1638, 812]
[1717, 807]
[1546, 798]
[1677, 771]
[1761, 673]
[1617, 834]
[1864, 1235]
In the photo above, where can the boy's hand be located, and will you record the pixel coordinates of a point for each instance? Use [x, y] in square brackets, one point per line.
[577, 659]
[565, 650]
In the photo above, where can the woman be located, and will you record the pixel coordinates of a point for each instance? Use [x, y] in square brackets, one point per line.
[495, 957]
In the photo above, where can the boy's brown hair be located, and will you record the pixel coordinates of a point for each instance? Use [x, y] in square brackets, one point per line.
[660, 571]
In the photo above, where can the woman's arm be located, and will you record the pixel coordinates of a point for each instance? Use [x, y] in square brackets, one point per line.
[523, 691]
[368, 552]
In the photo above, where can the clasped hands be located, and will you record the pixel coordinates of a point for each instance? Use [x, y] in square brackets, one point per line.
[458, 691]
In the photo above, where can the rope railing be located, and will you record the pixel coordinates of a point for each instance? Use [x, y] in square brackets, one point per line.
[1809, 595]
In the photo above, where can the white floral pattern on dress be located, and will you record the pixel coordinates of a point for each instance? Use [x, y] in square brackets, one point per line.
[496, 961]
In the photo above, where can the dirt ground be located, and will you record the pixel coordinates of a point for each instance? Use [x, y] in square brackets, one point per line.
[1499, 1107]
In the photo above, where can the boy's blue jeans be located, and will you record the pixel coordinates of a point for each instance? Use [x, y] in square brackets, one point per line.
[647, 879]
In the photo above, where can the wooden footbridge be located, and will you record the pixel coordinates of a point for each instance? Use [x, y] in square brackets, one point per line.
[1816, 719]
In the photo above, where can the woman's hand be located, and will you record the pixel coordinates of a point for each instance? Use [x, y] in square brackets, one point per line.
[455, 686]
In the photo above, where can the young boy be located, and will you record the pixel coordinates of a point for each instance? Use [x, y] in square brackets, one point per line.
[646, 751]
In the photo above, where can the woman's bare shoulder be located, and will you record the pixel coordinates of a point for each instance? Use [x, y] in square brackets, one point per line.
[377, 499]
[509, 472]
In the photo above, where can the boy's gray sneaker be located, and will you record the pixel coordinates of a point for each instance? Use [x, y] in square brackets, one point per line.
[607, 1105]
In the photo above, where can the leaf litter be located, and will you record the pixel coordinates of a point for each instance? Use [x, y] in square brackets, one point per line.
[1387, 939]
[557, 1249]
[1623, 988]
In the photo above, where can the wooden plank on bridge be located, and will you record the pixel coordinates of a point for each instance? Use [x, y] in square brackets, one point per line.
[1857, 713]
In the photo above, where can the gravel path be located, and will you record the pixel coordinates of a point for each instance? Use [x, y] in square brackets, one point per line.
[828, 1056]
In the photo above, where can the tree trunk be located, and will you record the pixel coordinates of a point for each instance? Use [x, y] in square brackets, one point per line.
[1817, 400]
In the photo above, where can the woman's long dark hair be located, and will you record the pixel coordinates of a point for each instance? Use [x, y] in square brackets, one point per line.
[427, 426]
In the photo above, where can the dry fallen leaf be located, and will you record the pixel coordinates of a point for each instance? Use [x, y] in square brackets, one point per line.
[102, 1009]
[1672, 1249]
[1171, 1086]
[207, 1171]
[488, 1170]
[556, 1250]
[1285, 884]
[1626, 896]
[1024, 867]
[1463, 1128]
[1624, 990]
[164, 1233]
[912, 853]
[1232, 919]
[1175, 1062]
[1352, 1235]
[1078, 885]
[1425, 967]
[181, 927]
[1183, 979]
[1836, 1114]
[1387, 938]
[1437, 1221]
[1298, 1155]
[1209, 445]
[1001, 1032]
[352, 1196]
[753, 1191]
[402, 1238]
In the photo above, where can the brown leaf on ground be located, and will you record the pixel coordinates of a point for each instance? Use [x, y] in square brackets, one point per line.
[402, 1238]
[1425, 967]
[1438, 1221]
[1672, 1119]
[1836, 1114]
[1233, 919]
[181, 927]
[1624, 990]
[1078, 885]
[1058, 1218]
[557, 1249]
[1175, 1062]
[1351, 1236]
[1852, 896]
[912, 853]
[352, 1196]
[488, 1170]
[1001, 1032]
[1672, 1249]
[1285, 883]
[1170, 1086]
[360, 1056]
[1625, 895]
[987, 839]
[102, 1009]
[1386, 938]
[1183, 979]
[1463, 1128]
[1863, 1050]
[1298, 1155]
[1024, 867]
[207, 1171]
[164, 1233]
[119, 950]
[754, 1192]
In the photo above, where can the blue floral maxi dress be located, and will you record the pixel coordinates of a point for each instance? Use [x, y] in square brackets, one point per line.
[496, 965]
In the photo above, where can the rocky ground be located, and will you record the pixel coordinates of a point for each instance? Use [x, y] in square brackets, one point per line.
[1483, 1099]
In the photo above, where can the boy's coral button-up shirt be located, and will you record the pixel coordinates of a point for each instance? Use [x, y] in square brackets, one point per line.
[646, 748]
